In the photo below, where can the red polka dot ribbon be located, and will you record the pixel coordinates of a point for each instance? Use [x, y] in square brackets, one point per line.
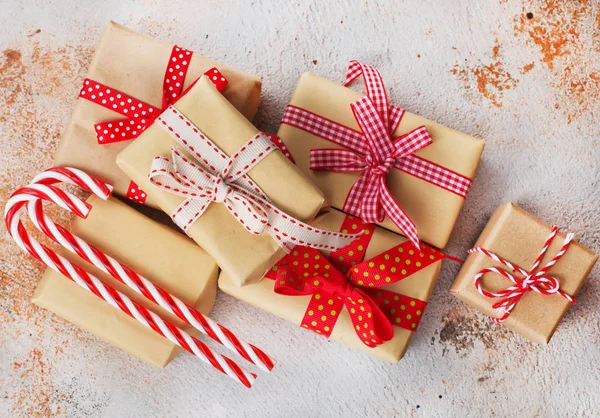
[344, 280]
[139, 115]
[374, 152]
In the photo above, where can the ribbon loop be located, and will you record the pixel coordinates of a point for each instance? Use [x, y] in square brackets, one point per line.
[533, 280]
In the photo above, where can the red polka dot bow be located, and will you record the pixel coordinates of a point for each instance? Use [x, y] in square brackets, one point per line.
[374, 152]
[139, 115]
[536, 281]
[341, 280]
[210, 176]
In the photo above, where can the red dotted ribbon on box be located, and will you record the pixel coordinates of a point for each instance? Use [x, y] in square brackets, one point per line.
[139, 114]
[343, 279]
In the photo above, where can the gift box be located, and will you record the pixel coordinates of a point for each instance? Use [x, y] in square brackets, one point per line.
[132, 69]
[185, 161]
[395, 277]
[165, 257]
[429, 185]
[515, 245]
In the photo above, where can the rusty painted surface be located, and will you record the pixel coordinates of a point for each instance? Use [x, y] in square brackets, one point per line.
[524, 75]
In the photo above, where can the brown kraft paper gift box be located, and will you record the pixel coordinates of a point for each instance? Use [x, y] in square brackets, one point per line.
[246, 257]
[135, 64]
[517, 237]
[433, 209]
[292, 308]
[165, 257]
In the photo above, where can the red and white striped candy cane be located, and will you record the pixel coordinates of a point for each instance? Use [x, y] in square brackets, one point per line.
[17, 206]
[532, 280]
[139, 283]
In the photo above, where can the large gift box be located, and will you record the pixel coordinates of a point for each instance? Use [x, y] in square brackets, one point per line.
[523, 273]
[392, 276]
[224, 183]
[126, 87]
[165, 257]
[429, 184]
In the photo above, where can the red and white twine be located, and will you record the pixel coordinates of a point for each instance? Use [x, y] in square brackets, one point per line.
[29, 199]
[532, 281]
[211, 176]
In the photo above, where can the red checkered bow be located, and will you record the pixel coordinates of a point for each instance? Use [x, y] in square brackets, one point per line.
[373, 151]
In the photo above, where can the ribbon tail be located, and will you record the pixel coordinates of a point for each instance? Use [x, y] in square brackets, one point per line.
[354, 199]
[249, 214]
[398, 216]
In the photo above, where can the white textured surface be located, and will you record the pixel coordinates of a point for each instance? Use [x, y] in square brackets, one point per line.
[466, 64]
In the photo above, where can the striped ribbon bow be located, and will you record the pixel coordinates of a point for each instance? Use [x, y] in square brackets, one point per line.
[210, 176]
[532, 281]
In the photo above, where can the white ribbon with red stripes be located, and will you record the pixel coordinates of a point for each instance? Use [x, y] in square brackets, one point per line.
[211, 176]
[532, 281]
[374, 152]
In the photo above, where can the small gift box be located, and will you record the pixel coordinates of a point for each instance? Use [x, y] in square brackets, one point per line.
[377, 161]
[131, 78]
[369, 295]
[523, 273]
[169, 259]
[226, 184]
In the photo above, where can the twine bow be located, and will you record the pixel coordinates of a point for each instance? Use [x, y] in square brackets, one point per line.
[532, 281]
[207, 175]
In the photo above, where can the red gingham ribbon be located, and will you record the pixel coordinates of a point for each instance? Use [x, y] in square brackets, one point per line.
[343, 279]
[531, 281]
[374, 152]
[140, 115]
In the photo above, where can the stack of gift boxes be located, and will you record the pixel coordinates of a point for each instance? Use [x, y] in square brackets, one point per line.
[337, 224]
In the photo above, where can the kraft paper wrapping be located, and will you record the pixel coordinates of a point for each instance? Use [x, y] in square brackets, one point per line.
[516, 236]
[292, 308]
[135, 64]
[433, 210]
[168, 259]
[245, 257]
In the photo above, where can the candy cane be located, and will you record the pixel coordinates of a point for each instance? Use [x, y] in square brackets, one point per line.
[146, 288]
[127, 276]
[16, 207]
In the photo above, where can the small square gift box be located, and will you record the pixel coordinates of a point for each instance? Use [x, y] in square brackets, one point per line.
[377, 161]
[168, 259]
[131, 79]
[370, 295]
[523, 273]
[227, 185]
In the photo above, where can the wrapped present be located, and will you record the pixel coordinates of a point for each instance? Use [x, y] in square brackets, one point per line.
[167, 258]
[370, 294]
[202, 151]
[377, 161]
[133, 77]
[523, 273]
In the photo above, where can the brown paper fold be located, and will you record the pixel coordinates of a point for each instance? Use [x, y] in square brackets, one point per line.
[167, 258]
[245, 257]
[135, 64]
[292, 308]
[516, 236]
[433, 209]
